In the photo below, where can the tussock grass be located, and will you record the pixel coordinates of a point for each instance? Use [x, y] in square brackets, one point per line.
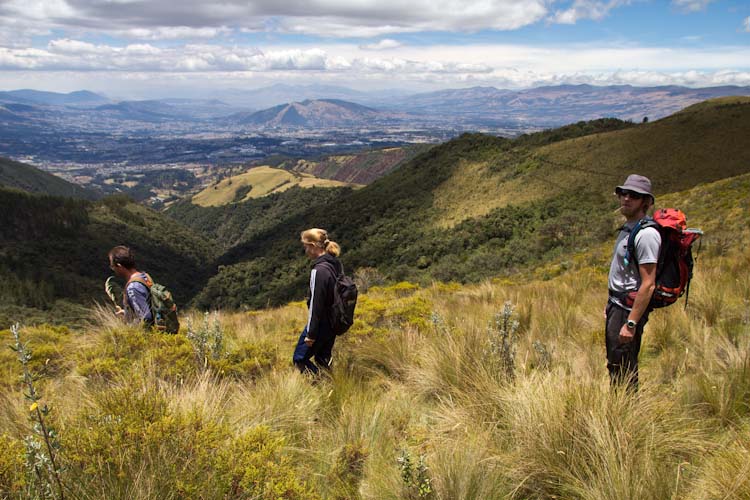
[466, 468]
[573, 439]
[282, 401]
[204, 396]
[392, 356]
[726, 474]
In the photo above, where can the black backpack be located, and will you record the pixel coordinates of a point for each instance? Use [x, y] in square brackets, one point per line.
[344, 302]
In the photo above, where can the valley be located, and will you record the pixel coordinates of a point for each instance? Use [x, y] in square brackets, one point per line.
[92, 140]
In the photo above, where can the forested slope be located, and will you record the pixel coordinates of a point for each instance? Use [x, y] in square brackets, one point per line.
[55, 248]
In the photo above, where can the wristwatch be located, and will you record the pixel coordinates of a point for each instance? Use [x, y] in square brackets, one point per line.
[631, 324]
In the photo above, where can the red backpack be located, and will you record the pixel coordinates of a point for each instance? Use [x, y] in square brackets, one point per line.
[674, 270]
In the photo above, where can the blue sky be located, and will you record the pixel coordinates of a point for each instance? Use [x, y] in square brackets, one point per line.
[155, 48]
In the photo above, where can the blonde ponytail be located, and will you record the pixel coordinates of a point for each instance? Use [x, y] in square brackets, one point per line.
[319, 238]
[333, 248]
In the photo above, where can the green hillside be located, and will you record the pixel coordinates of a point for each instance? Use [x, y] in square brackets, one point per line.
[53, 251]
[234, 223]
[482, 206]
[27, 178]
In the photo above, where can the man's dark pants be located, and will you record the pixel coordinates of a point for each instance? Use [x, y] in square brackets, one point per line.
[321, 350]
[622, 358]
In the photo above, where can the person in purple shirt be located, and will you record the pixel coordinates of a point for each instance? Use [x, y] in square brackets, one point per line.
[136, 298]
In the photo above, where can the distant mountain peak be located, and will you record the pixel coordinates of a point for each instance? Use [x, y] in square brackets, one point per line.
[308, 113]
[79, 97]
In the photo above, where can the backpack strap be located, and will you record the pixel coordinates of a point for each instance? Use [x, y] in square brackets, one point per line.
[147, 281]
[336, 273]
[630, 252]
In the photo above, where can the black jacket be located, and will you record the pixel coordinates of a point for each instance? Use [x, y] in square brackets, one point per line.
[325, 270]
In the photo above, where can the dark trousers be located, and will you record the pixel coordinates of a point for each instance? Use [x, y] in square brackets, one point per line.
[320, 350]
[622, 358]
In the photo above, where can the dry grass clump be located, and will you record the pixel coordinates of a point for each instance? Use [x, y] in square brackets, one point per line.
[726, 473]
[579, 439]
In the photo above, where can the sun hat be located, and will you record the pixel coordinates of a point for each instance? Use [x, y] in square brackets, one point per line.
[638, 184]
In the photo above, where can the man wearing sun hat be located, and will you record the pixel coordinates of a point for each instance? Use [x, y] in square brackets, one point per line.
[632, 280]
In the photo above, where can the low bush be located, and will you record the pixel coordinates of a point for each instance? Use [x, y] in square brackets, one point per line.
[256, 465]
[12, 468]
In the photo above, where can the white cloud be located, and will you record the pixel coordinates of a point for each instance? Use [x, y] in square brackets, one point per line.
[384, 44]
[40, 10]
[296, 60]
[207, 64]
[370, 18]
[586, 9]
[22, 58]
[162, 19]
[67, 46]
[141, 49]
[691, 5]
[746, 24]
[173, 33]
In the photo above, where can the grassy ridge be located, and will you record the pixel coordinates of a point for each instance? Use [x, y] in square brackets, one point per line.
[235, 223]
[359, 168]
[702, 143]
[423, 401]
[258, 182]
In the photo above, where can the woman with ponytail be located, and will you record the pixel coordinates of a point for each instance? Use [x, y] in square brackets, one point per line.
[317, 338]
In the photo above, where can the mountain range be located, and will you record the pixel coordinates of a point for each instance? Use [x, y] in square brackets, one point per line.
[479, 206]
[557, 105]
[29, 96]
[454, 109]
[274, 95]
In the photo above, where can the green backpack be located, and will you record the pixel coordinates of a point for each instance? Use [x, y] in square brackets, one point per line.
[163, 308]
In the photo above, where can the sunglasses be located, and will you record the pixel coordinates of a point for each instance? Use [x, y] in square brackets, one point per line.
[630, 194]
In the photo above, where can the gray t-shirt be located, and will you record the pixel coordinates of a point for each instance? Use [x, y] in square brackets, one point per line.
[627, 278]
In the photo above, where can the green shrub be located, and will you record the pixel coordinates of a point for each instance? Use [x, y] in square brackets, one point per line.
[125, 350]
[416, 479]
[249, 360]
[12, 469]
[255, 465]
[131, 443]
[50, 345]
